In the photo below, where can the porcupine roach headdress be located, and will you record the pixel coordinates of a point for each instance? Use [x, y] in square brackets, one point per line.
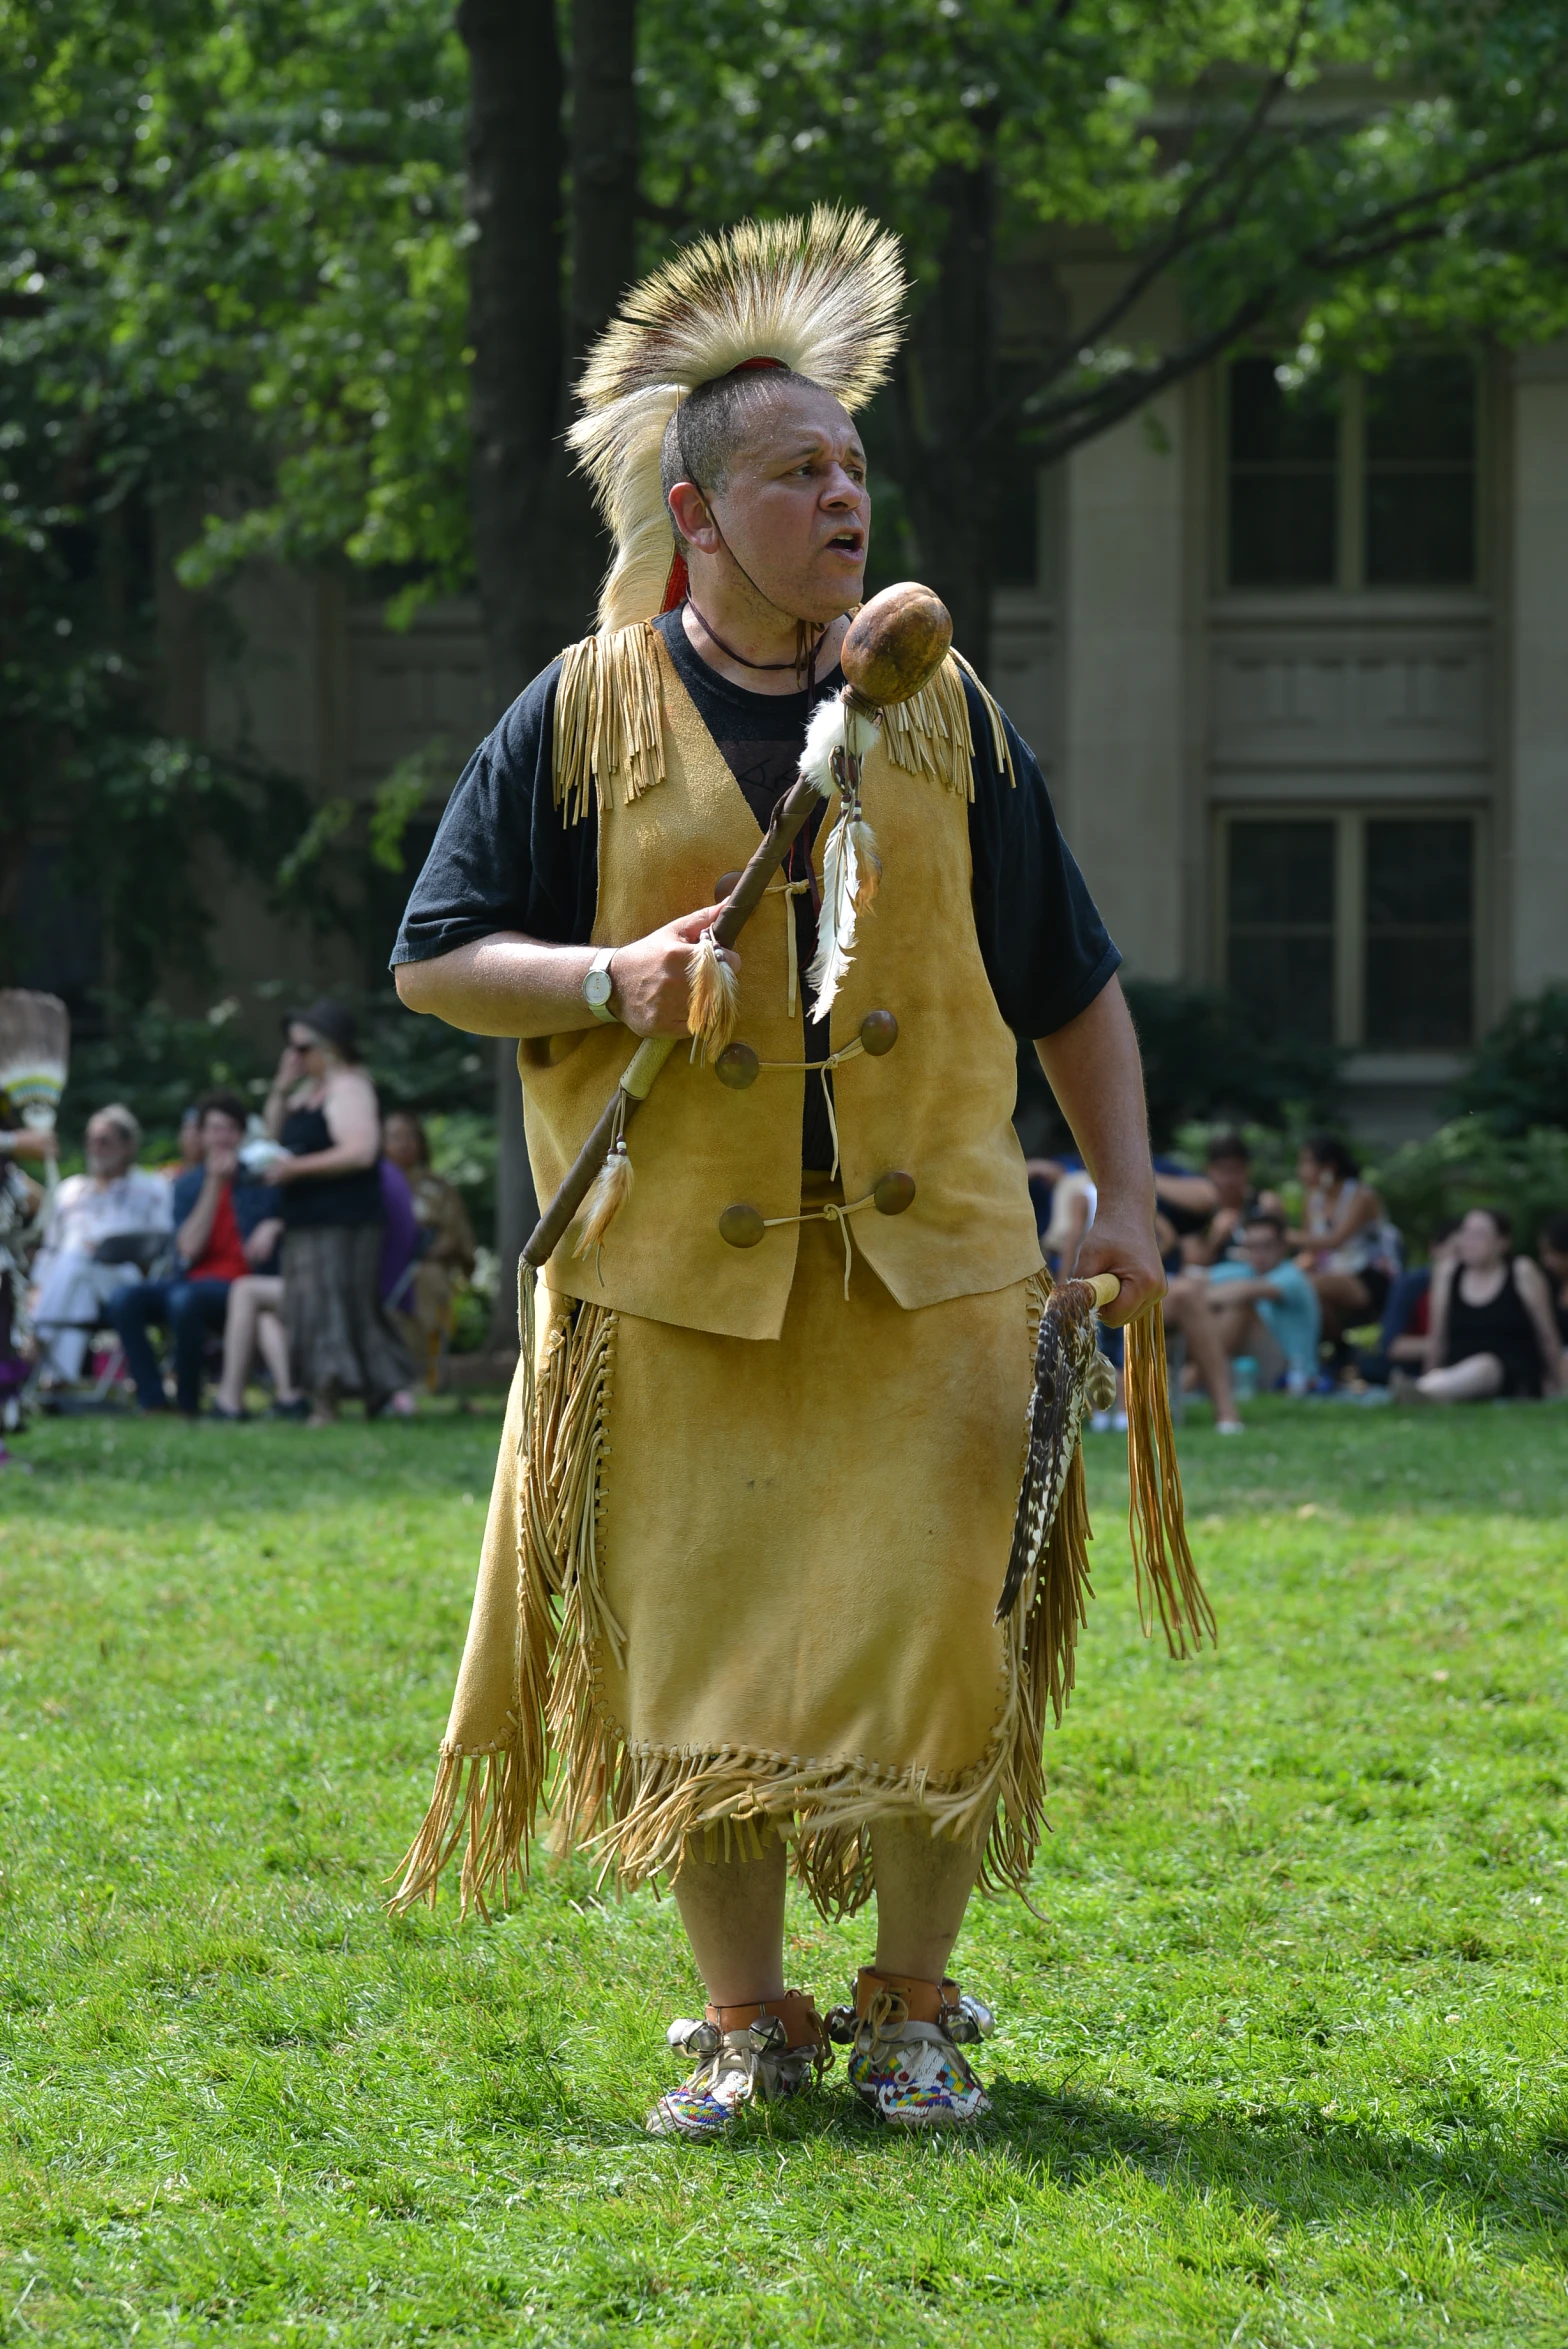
[821, 296]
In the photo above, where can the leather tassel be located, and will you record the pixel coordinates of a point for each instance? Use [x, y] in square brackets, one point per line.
[714, 1004]
[612, 1187]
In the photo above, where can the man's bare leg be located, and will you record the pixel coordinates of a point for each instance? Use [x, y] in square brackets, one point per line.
[923, 1887]
[733, 1912]
[733, 1908]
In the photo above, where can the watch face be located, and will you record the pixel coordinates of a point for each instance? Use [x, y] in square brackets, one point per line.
[597, 986]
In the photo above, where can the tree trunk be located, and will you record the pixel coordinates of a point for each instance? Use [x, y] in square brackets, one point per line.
[944, 398]
[604, 162]
[516, 157]
[602, 239]
[537, 550]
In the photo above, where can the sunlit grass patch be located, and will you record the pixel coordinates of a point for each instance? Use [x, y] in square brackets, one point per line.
[1280, 2059]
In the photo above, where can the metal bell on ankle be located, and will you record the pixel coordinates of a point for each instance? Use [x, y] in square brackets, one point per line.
[693, 2036]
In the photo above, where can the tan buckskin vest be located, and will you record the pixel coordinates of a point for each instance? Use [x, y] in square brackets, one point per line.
[938, 1106]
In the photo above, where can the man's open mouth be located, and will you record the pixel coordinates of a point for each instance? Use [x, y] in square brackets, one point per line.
[852, 542]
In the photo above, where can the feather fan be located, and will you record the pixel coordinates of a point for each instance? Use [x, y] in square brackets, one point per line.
[1069, 1372]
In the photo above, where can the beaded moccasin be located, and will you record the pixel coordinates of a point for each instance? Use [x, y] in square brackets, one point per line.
[746, 2055]
[906, 2039]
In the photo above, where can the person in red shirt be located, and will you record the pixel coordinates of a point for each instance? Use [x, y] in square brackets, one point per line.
[225, 1227]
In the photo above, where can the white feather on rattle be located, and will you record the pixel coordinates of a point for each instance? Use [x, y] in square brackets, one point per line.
[851, 866]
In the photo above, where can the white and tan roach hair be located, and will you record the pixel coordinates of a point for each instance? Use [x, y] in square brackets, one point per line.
[823, 296]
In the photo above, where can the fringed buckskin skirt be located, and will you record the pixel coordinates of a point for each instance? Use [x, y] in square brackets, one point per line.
[729, 1584]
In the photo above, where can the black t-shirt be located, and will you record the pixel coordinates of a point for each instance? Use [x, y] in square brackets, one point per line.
[503, 858]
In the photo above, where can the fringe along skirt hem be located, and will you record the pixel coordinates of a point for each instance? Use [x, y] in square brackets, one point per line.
[730, 1586]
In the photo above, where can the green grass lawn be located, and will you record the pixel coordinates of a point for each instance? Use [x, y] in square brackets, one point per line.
[1283, 2060]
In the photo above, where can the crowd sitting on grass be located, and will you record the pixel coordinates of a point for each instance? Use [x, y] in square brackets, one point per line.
[323, 1249]
[1281, 1298]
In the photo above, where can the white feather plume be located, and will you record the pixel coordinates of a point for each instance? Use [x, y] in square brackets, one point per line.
[844, 891]
[821, 295]
[824, 735]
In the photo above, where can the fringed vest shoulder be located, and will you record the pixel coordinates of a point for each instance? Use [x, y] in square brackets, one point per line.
[938, 1107]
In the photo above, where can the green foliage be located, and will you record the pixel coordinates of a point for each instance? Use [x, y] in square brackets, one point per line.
[230, 238]
[1411, 173]
[465, 1147]
[1518, 1076]
[1467, 1163]
[159, 1060]
[1285, 2038]
[1202, 1059]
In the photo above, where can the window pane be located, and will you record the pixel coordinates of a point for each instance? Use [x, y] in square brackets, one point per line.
[1422, 410]
[1285, 985]
[1420, 484]
[1282, 530]
[1015, 487]
[1015, 537]
[1420, 529]
[1282, 872]
[1283, 466]
[1419, 933]
[1270, 425]
[1280, 924]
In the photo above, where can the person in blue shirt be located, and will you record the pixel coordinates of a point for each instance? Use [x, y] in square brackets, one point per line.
[1265, 1306]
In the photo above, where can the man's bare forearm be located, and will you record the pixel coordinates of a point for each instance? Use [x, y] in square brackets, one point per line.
[1095, 1072]
[505, 985]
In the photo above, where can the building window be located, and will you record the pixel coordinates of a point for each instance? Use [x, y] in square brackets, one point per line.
[1417, 923]
[1419, 462]
[1354, 481]
[1015, 490]
[1280, 925]
[1353, 929]
[1284, 480]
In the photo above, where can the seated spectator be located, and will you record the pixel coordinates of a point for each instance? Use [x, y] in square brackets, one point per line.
[1407, 1322]
[1350, 1248]
[446, 1256]
[114, 1201]
[225, 1226]
[252, 1325]
[189, 1144]
[1204, 1212]
[1266, 1307]
[1494, 1331]
[1552, 1248]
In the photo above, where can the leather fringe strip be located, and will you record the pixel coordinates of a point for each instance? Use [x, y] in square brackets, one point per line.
[635, 1807]
[490, 1815]
[609, 723]
[930, 734]
[1161, 1559]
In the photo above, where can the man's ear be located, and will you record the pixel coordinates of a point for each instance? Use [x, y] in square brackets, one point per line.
[692, 520]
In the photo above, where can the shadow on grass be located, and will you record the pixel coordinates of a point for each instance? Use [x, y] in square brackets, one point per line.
[1293, 2162]
[1297, 2161]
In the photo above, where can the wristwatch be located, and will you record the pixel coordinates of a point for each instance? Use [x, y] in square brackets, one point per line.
[598, 986]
